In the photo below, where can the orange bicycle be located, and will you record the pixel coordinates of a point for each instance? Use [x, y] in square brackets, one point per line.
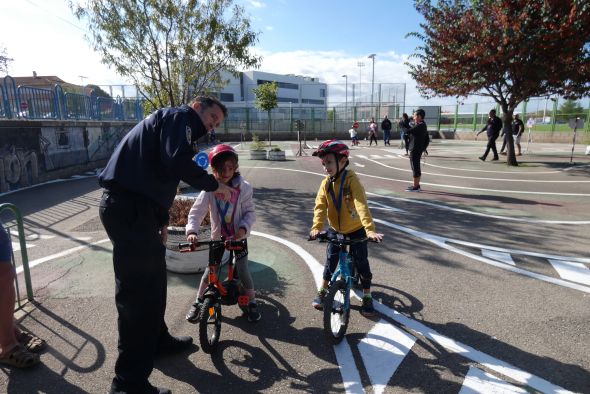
[227, 292]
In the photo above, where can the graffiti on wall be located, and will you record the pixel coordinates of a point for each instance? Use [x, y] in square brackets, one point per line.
[18, 168]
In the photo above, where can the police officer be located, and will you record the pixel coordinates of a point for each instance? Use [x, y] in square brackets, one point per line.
[492, 129]
[140, 182]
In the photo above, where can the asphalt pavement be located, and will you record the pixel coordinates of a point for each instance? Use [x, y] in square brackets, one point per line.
[482, 282]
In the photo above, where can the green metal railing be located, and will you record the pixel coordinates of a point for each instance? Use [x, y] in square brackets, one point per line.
[23, 250]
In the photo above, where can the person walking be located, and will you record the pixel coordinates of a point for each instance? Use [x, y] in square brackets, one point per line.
[372, 132]
[140, 182]
[418, 135]
[492, 129]
[517, 132]
[386, 127]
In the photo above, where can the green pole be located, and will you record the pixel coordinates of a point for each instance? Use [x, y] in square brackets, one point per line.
[554, 114]
[354, 111]
[456, 117]
[475, 118]
[291, 119]
[334, 120]
[248, 128]
[588, 119]
[312, 119]
[524, 109]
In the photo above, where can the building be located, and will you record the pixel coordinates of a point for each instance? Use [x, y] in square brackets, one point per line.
[297, 96]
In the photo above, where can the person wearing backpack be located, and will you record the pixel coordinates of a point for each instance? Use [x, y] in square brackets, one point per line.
[419, 140]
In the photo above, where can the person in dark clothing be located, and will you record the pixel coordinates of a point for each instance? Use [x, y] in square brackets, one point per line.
[140, 181]
[386, 127]
[404, 126]
[492, 128]
[418, 135]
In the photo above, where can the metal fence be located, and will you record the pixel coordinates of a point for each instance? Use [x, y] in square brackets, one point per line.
[26, 102]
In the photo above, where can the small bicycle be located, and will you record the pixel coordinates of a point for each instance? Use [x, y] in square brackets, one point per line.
[337, 301]
[218, 293]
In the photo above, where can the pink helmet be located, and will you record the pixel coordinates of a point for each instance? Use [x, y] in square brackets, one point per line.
[332, 146]
[219, 149]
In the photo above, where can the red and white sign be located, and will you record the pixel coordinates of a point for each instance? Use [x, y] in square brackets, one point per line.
[355, 125]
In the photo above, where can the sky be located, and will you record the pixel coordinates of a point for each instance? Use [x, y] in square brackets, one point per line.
[321, 38]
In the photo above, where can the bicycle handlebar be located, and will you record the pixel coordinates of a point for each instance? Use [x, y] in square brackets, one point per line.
[324, 237]
[227, 244]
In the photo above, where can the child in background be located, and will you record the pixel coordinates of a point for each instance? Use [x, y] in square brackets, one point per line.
[341, 198]
[353, 136]
[232, 220]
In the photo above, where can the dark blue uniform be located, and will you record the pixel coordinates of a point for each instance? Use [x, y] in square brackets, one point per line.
[140, 182]
[492, 128]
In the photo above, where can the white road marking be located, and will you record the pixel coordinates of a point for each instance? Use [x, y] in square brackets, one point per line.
[443, 242]
[415, 201]
[472, 177]
[383, 350]
[569, 270]
[16, 246]
[350, 374]
[378, 205]
[449, 344]
[358, 164]
[376, 157]
[478, 382]
[496, 255]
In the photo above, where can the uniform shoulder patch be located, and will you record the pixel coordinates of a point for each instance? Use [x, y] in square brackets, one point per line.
[189, 133]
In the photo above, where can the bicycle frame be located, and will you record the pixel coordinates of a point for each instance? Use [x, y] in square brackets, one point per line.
[343, 270]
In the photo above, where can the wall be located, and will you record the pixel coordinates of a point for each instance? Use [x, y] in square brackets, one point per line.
[38, 151]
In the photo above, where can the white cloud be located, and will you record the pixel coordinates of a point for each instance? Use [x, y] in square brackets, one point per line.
[269, 28]
[257, 4]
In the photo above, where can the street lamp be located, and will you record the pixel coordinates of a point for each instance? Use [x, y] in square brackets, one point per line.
[372, 56]
[346, 96]
[361, 65]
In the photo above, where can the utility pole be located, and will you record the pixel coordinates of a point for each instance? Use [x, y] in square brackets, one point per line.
[360, 65]
[372, 56]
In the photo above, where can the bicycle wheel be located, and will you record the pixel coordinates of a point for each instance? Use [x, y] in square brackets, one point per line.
[209, 324]
[335, 313]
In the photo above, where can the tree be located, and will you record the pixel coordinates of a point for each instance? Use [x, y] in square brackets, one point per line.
[4, 60]
[509, 50]
[171, 49]
[571, 108]
[266, 100]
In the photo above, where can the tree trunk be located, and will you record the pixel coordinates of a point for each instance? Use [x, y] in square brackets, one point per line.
[507, 129]
[269, 127]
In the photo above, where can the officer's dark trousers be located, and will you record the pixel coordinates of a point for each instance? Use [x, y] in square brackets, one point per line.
[132, 224]
[491, 145]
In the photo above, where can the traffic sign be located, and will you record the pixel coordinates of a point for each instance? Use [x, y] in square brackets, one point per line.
[202, 160]
[24, 105]
[355, 125]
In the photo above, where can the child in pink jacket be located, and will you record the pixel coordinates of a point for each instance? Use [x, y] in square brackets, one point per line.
[232, 219]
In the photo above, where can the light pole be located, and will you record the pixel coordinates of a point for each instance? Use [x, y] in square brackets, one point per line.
[346, 96]
[372, 56]
[82, 78]
[361, 65]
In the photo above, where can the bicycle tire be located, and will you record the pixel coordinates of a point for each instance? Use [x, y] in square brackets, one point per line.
[336, 316]
[209, 325]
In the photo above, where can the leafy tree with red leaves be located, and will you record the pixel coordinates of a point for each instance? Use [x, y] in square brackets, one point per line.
[509, 50]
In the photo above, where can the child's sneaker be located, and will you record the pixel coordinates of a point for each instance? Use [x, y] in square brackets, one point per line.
[253, 314]
[413, 189]
[318, 302]
[367, 307]
[193, 314]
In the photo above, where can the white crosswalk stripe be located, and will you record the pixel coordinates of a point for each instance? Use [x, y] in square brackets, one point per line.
[383, 350]
[496, 255]
[478, 381]
[570, 270]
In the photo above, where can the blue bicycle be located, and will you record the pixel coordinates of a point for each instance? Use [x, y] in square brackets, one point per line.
[344, 279]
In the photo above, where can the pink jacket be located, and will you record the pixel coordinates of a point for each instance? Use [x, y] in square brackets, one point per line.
[244, 215]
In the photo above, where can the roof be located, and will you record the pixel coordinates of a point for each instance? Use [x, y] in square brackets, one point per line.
[42, 81]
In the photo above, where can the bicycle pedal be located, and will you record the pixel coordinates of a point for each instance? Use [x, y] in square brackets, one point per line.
[243, 300]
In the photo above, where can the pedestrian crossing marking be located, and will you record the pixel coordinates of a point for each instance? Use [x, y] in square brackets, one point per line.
[496, 255]
[348, 370]
[569, 270]
[383, 350]
[478, 381]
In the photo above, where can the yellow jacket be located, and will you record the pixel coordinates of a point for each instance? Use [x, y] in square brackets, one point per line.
[354, 212]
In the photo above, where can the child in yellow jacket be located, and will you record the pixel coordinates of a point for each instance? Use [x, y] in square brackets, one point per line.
[341, 198]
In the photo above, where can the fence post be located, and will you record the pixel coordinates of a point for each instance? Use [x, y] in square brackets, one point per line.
[248, 120]
[554, 114]
[588, 119]
[23, 247]
[334, 120]
[456, 118]
[475, 118]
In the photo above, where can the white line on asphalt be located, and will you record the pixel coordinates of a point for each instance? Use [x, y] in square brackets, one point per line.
[350, 374]
[443, 243]
[569, 270]
[525, 220]
[509, 218]
[449, 344]
[478, 381]
[383, 349]
[496, 255]
[358, 164]
[33, 263]
[473, 177]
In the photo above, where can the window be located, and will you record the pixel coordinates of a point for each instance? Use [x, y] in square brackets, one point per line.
[284, 85]
[227, 97]
[322, 92]
[312, 101]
